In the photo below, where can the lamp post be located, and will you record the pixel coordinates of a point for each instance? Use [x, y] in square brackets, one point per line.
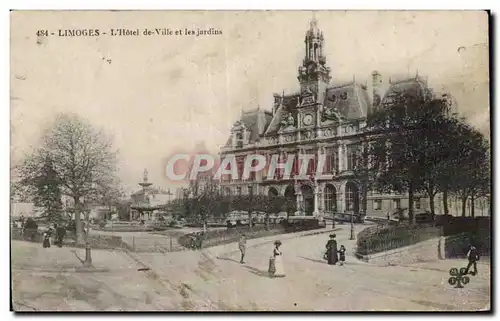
[352, 227]
[352, 222]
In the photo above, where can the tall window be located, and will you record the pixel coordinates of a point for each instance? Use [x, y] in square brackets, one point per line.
[239, 139]
[253, 174]
[330, 199]
[396, 203]
[352, 197]
[238, 190]
[332, 157]
[352, 156]
[240, 162]
[377, 205]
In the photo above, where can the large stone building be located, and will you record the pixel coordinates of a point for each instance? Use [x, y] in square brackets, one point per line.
[324, 117]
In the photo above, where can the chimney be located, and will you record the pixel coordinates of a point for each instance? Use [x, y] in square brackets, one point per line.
[377, 84]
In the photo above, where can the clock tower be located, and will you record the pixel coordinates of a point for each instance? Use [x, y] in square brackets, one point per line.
[314, 76]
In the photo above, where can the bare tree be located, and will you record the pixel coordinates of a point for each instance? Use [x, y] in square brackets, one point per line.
[83, 158]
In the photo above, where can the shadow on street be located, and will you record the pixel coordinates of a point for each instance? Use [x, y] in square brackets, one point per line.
[228, 259]
[313, 260]
[257, 271]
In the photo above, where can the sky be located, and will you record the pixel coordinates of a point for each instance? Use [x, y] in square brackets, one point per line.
[158, 95]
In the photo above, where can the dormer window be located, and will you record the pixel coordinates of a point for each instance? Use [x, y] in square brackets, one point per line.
[239, 139]
[239, 134]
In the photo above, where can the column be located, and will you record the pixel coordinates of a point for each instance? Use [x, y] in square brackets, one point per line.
[341, 200]
[316, 199]
[298, 197]
[341, 157]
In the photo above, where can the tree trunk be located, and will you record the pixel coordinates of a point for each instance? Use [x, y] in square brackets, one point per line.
[472, 213]
[445, 201]
[464, 205]
[78, 225]
[431, 203]
[410, 204]
[88, 255]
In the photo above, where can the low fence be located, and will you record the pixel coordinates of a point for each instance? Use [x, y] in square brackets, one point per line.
[94, 240]
[220, 237]
[379, 239]
[230, 235]
[173, 241]
[148, 243]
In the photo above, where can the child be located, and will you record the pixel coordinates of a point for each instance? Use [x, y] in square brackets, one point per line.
[342, 255]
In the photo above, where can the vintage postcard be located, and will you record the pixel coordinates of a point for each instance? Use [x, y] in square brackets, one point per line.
[250, 161]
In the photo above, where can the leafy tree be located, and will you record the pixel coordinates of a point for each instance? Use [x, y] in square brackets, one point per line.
[39, 180]
[472, 173]
[123, 208]
[81, 155]
[203, 200]
[404, 138]
[48, 192]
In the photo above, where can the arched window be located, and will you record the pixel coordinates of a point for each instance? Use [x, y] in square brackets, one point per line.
[272, 192]
[330, 199]
[351, 197]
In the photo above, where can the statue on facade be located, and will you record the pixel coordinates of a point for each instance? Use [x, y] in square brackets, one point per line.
[288, 122]
[331, 113]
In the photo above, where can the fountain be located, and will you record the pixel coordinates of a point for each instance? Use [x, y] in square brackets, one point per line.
[144, 207]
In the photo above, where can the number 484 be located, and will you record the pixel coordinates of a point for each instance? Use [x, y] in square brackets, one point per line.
[41, 33]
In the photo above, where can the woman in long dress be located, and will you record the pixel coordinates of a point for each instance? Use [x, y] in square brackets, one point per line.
[276, 268]
[331, 250]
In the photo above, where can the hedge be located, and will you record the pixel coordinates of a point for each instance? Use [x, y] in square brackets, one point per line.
[379, 239]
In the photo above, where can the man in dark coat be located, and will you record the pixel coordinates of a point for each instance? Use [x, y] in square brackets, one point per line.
[331, 250]
[473, 257]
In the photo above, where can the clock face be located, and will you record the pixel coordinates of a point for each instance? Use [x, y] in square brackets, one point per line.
[308, 119]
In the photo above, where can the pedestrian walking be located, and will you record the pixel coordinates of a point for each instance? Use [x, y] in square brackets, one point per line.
[473, 257]
[342, 255]
[276, 268]
[46, 239]
[331, 250]
[242, 244]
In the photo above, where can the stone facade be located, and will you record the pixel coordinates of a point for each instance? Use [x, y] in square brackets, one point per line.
[322, 118]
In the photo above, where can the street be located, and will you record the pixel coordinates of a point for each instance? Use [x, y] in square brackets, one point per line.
[213, 279]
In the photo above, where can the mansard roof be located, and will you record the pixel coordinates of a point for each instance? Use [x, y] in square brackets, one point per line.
[255, 121]
[351, 100]
[414, 86]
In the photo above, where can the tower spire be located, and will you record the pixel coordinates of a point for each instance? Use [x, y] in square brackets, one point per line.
[314, 63]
